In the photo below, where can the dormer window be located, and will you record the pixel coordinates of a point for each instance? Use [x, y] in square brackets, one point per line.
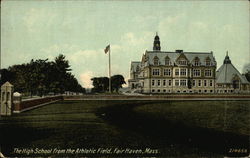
[167, 61]
[156, 61]
[208, 62]
[196, 61]
[182, 62]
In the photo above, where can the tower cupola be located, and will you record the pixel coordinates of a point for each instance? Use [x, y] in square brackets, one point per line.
[227, 59]
[157, 43]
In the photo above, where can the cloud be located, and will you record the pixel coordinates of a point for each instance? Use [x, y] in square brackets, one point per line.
[85, 79]
[85, 64]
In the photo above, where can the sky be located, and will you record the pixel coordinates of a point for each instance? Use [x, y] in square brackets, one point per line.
[81, 30]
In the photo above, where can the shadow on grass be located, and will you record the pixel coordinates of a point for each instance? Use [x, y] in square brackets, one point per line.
[165, 133]
[14, 136]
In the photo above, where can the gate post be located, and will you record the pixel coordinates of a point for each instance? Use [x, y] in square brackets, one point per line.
[6, 99]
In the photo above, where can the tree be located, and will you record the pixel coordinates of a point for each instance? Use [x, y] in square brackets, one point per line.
[40, 77]
[6, 75]
[62, 67]
[100, 84]
[116, 82]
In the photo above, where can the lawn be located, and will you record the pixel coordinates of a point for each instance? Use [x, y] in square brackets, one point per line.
[227, 116]
[178, 129]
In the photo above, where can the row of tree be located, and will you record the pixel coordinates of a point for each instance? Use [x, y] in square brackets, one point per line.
[101, 84]
[41, 77]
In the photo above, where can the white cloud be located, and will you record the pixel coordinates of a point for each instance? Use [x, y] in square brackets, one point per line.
[85, 79]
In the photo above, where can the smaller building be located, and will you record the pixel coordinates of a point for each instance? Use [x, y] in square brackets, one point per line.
[134, 73]
[229, 79]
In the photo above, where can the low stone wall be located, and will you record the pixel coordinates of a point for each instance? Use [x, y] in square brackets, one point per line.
[33, 103]
[158, 97]
[37, 102]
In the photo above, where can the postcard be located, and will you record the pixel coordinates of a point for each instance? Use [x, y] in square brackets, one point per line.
[125, 79]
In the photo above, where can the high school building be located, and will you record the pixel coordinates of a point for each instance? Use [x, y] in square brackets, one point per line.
[184, 72]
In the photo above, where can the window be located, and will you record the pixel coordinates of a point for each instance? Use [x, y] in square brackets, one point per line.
[169, 82]
[208, 73]
[153, 90]
[176, 82]
[8, 96]
[205, 83]
[3, 94]
[153, 82]
[159, 90]
[196, 62]
[156, 72]
[183, 82]
[199, 83]
[159, 82]
[166, 72]
[211, 83]
[137, 68]
[183, 72]
[196, 72]
[194, 83]
[176, 72]
[208, 62]
[164, 82]
[156, 61]
[236, 84]
[164, 90]
[167, 61]
[182, 62]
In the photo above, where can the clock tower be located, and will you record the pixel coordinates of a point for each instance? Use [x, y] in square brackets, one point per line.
[157, 43]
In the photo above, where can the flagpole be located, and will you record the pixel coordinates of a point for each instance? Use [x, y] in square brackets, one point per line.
[109, 71]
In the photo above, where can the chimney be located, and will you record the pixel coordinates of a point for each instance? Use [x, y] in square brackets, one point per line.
[179, 51]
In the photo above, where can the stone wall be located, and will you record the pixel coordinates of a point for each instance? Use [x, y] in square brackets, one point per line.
[179, 97]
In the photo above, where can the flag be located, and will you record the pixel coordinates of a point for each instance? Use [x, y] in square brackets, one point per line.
[107, 49]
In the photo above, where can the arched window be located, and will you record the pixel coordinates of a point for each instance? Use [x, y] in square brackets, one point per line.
[156, 60]
[167, 61]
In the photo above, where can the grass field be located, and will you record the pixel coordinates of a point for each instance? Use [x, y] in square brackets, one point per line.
[227, 116]
[178, 129]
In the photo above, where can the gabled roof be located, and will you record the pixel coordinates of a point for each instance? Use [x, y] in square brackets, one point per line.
[174, 55]
[7, 84]
[227, 72]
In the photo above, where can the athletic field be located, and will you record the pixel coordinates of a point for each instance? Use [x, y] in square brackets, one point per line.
[128, 128]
